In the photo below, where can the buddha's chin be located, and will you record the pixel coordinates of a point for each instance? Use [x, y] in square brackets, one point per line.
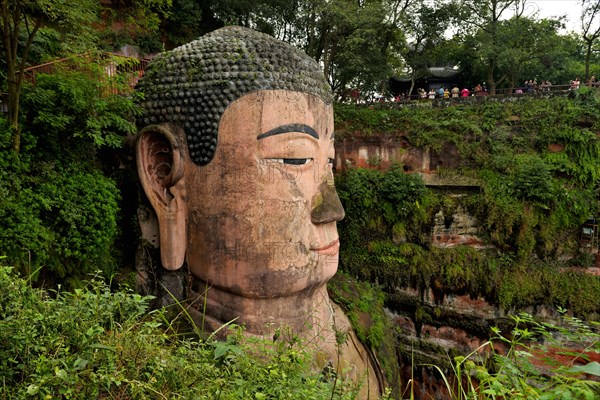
[272, 282]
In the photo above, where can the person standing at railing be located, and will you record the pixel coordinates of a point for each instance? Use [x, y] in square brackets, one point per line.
[464, 92]
[545, 85]
[575, 84]
[455, 91]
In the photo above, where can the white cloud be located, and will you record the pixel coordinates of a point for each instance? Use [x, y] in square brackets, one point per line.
[555, 8]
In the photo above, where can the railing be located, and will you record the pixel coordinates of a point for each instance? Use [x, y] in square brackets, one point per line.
[127, 69]
[499, 93]
[132, 69]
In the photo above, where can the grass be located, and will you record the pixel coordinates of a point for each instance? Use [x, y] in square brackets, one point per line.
[94, 343]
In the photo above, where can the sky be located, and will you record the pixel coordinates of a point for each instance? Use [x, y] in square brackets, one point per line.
[552, 8]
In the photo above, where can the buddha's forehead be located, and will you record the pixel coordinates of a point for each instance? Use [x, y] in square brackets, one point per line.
[251, 116]
[192, 85]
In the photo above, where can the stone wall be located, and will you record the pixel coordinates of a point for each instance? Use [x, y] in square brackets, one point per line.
[434, 327]
[382, 151]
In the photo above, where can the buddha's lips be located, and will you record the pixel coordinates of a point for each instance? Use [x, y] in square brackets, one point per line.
[330, 248]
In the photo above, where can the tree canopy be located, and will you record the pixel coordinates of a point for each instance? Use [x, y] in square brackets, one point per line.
[20, 21]
[360, 44]
[590, 27]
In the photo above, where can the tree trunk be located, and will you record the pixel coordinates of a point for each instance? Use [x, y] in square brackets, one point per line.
[13, 116]
[490, 77]
[412, 83]
[10, 23]
[588, 54]
[511, 86]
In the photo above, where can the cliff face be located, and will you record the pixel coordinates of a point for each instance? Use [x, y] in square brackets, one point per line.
[482, 241]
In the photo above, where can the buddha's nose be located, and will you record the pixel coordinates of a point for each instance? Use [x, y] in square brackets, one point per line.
[326, 205]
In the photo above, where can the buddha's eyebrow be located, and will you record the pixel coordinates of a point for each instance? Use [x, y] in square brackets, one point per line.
[289, 128]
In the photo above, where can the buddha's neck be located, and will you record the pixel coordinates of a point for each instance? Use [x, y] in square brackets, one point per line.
[307, 311]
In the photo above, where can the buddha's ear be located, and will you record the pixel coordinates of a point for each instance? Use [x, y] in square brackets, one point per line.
[160, 168]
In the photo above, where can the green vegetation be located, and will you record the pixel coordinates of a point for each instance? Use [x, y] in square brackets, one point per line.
[38, 30]
[364, 307]
[64, 194]
[95, 343]
[531, 204]
[60, 205]
[362, 44]
[530, 363]
[363, 304]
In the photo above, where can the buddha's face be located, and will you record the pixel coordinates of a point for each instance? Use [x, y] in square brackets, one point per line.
[262, 214]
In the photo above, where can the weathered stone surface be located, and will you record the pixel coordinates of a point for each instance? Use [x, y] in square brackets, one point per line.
[234, 156]
[382, 150]
[193, 84]
[435, 325]
[457, 229]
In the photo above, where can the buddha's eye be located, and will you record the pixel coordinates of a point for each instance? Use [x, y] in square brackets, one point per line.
[330, 160]
[291, 161]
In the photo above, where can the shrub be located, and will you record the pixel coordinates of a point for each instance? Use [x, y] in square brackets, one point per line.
[62, 219]
[92, 343]
[534, 361]
[59, 214]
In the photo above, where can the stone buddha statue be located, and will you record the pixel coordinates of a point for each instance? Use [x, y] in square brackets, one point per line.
[235, 155]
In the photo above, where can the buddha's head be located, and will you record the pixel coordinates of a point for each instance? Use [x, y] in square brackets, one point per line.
[235, 156]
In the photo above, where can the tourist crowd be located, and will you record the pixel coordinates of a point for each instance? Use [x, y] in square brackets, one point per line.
[529, 86]
[442, 92]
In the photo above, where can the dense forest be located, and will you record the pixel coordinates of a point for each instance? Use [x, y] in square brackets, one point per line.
[68, 196]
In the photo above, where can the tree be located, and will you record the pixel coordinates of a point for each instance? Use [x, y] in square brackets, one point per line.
[562, 62]
[355, 41]
[425, 28]
[344, 37]
[524, 42]
[327, 24]
[136, 16]
[58, 210]
[20, 21]
[352, 50]
[484, 16]
[509, 48]
[590, 26]
[136, 21]
[77, 23]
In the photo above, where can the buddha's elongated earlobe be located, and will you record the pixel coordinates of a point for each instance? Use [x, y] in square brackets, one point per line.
[160, 168]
